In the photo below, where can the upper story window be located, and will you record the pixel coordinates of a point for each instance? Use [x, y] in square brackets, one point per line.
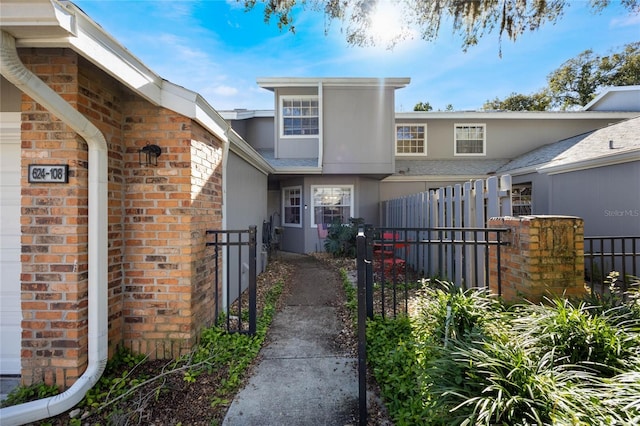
[331, 204]
[292, 203]
[299, 116]
[411, 139]
[470, 139]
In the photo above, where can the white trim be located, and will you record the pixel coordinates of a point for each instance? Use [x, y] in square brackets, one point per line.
[484, 140]
[628, 156]
[271, 83]
[514, 115]
[424, 141]
[312, 223]
[283, 215]
[320, 125]
[433, 178]
[608, 92]
[281, 117]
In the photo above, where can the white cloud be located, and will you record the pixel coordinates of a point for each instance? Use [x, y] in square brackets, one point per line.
[627, 21]
[223, 90]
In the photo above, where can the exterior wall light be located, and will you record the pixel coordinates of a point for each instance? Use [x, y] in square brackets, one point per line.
[148, 155]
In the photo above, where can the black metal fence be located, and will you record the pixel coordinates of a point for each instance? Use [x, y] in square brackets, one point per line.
[402, 260]
[237, 289]
[604, 255]
[395, 263]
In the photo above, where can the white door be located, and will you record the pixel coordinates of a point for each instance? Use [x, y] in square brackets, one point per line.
[10, 310]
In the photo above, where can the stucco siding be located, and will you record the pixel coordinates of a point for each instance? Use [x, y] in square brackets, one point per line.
[505, 138]
[358, 126]
[606, 197]
[246, 202]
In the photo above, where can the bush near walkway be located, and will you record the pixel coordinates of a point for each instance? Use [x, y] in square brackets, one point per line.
[463, 358]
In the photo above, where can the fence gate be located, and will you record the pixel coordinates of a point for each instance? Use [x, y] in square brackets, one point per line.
[234, 272]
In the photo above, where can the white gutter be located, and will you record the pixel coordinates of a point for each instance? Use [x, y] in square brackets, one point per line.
[14, 70]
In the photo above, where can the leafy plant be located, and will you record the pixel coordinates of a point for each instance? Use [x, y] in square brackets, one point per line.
[23, 394]
[341, 238]
[462, 358]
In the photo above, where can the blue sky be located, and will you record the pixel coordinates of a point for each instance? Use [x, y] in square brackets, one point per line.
[215, 48]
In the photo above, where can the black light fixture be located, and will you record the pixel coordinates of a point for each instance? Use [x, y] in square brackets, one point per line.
[148, 155]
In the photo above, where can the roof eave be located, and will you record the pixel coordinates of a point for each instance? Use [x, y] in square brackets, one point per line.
[52, 23]
[627, 156]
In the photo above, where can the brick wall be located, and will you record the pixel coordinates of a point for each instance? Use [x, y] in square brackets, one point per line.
[159, 279]
[544, 258]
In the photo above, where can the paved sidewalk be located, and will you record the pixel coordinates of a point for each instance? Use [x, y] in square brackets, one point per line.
[302, 378]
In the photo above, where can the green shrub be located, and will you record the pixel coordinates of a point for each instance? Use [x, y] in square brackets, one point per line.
[341, 238]
[464, 359]
[23, 394]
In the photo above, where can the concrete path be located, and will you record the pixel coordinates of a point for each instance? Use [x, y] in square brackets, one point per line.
[302, 378]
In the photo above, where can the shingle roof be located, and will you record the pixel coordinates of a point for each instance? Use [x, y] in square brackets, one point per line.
[447, 167]
[280, 163]
[624, 136]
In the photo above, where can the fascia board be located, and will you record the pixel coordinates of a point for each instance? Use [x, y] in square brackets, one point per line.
[242, 149]
[93, 43]
[246, 114]
[599, 98]
[591, 163]
[432, 178]
[298, 170]
[192, 105]
[514, 115]
[36, 18]
[277, 82]
[522, 171]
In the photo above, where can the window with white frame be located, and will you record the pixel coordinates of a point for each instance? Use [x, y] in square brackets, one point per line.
[299, 116]
[291, 206]
[330, 204]
[411, 139]
[521, 199]
[470, 139]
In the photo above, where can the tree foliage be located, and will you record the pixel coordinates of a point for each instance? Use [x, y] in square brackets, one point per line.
[471, 20]
[519, 102]
[577, 81]
[423, 106]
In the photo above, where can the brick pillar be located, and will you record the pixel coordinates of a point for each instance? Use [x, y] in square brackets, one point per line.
[545, 257]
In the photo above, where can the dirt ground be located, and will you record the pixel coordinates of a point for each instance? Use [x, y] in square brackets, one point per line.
[183, 403]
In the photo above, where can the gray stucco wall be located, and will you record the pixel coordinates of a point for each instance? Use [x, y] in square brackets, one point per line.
[246, 206]
[505, 138]
[304, 239]
[358, 129]
[540, 191]
[608, 198]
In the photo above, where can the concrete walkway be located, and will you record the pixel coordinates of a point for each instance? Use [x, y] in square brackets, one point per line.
[302, 378]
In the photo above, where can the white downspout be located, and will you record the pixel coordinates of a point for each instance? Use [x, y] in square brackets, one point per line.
[14, 70]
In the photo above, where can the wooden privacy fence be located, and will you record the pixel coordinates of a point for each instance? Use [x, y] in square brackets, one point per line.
[457, 215]
[468, 205]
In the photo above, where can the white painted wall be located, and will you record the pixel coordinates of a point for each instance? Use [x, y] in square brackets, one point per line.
[10, 309]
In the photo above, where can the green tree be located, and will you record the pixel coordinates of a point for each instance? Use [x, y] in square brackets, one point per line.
[423, 106]
[578, 80]
[540, 101]
[471, 19]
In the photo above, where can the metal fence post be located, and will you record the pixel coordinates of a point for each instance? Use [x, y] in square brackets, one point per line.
[252, 279]
[362, 327]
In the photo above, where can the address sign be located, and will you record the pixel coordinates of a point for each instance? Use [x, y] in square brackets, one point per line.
[48, 173]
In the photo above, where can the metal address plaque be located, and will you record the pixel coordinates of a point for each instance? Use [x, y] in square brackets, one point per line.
[48, 173]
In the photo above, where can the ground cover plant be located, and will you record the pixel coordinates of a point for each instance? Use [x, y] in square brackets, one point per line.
[461, 357]
[193, 390]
